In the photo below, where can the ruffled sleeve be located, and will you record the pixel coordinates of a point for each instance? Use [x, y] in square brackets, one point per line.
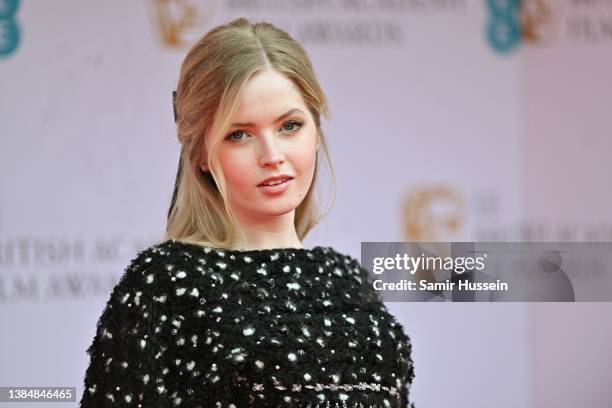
[126, 364]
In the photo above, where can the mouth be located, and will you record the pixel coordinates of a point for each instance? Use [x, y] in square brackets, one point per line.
[276, 187]
[277, 182]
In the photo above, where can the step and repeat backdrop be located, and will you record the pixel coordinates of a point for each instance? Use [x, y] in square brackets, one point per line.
[452, 120]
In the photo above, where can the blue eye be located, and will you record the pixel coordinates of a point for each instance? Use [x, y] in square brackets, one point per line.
[294, 123]
[230, 136]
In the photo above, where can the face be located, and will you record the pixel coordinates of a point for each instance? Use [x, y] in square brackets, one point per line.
[273, 134]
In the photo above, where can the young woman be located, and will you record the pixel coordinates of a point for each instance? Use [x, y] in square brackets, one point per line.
[230, 309]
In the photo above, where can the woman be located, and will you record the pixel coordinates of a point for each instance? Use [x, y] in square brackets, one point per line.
[231, 310]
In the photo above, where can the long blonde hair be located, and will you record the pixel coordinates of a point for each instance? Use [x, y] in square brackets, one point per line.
[212, 79]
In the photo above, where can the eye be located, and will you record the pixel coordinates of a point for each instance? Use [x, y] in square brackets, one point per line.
[232, 138]
[292, 123]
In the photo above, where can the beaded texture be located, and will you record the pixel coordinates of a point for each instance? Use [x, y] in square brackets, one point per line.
[195, 326]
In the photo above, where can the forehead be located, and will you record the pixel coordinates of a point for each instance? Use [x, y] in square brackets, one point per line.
[267, 94]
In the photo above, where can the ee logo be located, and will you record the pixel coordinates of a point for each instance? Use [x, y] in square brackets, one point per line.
[9, 30]
[504, 27]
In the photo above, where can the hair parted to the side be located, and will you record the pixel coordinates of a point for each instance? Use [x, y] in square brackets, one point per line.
[212, 79]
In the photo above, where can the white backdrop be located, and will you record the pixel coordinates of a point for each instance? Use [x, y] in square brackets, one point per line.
[429, 117]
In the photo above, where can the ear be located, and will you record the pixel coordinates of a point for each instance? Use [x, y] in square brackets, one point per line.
[202, 161]
[203, 166]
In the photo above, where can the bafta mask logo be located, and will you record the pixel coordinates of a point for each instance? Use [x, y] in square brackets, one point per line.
[432, 213]
[540, 21]
[180, 22]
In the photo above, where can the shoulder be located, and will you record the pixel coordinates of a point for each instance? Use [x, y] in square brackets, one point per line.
[345, 262]
[362, 274]
[153, 271]
[147, 288]
[342, 258]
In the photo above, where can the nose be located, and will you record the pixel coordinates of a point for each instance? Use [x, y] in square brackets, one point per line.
[272, 154]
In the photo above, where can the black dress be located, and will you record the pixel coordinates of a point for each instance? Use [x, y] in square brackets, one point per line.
[195, 326]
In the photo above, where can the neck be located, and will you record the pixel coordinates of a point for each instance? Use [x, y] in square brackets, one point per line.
[275, 231]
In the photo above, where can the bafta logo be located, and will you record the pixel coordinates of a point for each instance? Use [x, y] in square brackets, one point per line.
[540, 20]
[180, 22]
[432, 213]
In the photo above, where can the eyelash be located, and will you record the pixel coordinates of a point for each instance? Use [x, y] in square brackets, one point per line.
[297, 123]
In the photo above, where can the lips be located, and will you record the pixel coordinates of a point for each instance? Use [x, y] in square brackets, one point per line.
[277, 189]
[275, 180]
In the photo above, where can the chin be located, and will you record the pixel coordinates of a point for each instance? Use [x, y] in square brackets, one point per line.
[279, 207]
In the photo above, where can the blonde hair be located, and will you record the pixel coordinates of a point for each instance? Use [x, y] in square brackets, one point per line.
[212, 79]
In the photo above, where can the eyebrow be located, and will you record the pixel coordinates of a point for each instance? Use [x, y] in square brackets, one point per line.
[281, 117]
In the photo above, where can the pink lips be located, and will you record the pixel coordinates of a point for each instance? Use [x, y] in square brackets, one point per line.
[277, 188]
[275, 178]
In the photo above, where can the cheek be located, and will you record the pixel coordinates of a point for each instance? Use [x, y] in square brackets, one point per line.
[304, 158]
[236, 170]
[304, 164]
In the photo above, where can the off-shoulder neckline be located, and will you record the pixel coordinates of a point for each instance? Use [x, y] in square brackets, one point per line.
[314, 250]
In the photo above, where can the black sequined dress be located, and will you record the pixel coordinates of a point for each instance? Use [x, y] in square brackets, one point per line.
[195, 326]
